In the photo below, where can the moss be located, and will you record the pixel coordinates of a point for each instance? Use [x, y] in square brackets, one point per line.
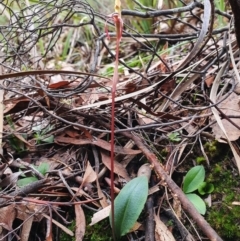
[223, 216]
[98, 232]
[212, 148]
[200, 160]
[66, 237]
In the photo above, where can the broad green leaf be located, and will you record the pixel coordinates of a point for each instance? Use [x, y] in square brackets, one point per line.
[205, 187]
[198, 203]
[25, 181]
[43, 168]
[129, 204]
[193, 179]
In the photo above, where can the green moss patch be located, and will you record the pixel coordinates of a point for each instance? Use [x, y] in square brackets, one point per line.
[223, 216]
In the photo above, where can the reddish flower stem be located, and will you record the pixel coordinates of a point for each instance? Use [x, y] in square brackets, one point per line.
[118, 25]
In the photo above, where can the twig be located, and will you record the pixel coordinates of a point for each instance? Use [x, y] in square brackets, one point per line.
[150, 224]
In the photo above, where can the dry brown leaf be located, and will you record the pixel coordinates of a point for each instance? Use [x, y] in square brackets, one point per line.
[90, 98]
[7, 216]
[118, 167]
[229, 106]
[103, 200]
[100, 215]
[135, 227]
[213, 97]
[177, 207]
[10, 179]
[209, 80]
[25, 210]
[89, 175]
[26, 228]
[80, 223]
[72, 133]
[161, 231]
[11, 104]
[57, 82]
[49, 230]
[59, 85]
[98, 142]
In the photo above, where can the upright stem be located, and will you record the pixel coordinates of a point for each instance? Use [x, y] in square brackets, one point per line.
[112, 161]
[114, 86]
[119, 27]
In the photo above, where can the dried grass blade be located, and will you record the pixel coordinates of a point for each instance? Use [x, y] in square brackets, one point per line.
[203, 33]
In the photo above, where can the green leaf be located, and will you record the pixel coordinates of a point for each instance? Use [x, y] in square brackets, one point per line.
[37, 128]
[43, 168]
[48, 139]
[205, 187]
[174, 136]
[129, 204]
[25, 181]
[193, 179]
[198, 203]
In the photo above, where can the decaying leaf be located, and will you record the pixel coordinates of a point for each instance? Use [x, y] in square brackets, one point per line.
[177, 207]
[10, 179]
[100, 215]
[89, 175]
[49, 230]
[103, 200]
[230, 106]
[57, 82]
[118, 168]
[98, 142]
[80, 223]
[18, 103]
[26, 228]
[25, 210]
[209, 80]
[161, 231]
[7, 216]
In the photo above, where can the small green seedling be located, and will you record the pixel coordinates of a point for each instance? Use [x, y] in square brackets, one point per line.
[17, 144]
[42, 168]
[194, 180]
[174, 136]
[128, 205]
[41, 136]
